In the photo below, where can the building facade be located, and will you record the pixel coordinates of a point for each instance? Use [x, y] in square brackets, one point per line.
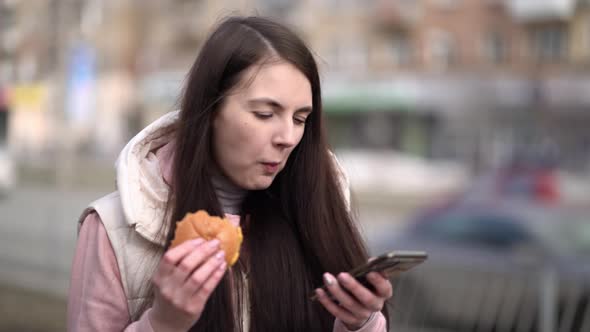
[459, 79]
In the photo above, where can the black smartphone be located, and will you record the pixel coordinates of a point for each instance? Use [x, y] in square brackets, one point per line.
[389, 264]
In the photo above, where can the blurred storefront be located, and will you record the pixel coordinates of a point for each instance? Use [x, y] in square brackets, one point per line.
[382, 115]
[31, 124]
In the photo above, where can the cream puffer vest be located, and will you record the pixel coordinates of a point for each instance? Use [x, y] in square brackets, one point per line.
[133, 215]
[136, 256]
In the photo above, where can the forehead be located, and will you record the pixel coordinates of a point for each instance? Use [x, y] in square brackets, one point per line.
[280, 80]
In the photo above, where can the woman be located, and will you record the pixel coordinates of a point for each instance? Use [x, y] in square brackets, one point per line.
[249, 144]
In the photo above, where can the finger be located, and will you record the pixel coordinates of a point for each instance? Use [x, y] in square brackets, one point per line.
[199, 298]
[345, 300]
[382, 285]
[362, 294]
[198, 278]
[191, 262]
[336, 310]
[198, 256]
[173, 256]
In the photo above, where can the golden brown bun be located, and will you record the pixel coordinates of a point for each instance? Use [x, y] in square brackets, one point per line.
[202, 225]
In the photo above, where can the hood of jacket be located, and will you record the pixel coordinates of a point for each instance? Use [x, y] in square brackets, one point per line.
[142, 168]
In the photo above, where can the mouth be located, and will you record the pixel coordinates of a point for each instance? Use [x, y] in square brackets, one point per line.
[270, 167]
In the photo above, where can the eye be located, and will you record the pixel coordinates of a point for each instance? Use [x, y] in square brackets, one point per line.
[263, 115]
[299, 121]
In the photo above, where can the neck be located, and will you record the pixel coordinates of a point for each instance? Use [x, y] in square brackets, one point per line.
[230, 196]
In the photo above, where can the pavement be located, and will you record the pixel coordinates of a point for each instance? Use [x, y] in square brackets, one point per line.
[37, 236]
[23, 310]
[37, 240]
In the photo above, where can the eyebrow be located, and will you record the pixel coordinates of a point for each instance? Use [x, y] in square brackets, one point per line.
[275, 104]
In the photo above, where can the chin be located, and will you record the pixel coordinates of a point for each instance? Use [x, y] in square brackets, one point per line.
[260, 184]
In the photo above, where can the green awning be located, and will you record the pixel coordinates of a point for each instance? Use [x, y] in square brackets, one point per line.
[365, 98]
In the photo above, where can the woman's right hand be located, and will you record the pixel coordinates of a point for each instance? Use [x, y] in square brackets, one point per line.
[184, 280]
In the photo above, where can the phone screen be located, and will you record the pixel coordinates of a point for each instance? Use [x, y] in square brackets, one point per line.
[390, 265]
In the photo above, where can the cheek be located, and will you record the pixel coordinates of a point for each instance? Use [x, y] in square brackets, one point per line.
[246, 137]
[240, 142]
[231, 132]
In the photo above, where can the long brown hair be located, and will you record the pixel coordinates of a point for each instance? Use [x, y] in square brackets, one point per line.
[300, 226]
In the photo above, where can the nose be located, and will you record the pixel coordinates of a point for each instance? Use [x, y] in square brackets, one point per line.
[286, 135]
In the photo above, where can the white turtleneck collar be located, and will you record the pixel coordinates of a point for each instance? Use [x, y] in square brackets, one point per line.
[230, 195]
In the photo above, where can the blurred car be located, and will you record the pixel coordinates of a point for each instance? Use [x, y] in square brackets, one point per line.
[7, 172]
[506, 266]
[523, 179]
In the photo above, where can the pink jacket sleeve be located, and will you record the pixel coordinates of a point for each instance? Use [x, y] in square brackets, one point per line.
[96, 300]
[376, 323]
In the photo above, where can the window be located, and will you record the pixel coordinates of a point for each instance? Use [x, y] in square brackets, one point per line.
[495, 3]
[344, 4]
[401, 49]
[442, 49]
[3, 116]
[495, 48]
[549, 43]
[446, 4]
[9, 34]
[8, 17]
[378, 130]
[3, 125]
[277, 7]
[350, 54]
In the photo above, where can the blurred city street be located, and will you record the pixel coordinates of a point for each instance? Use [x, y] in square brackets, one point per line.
[462, 126]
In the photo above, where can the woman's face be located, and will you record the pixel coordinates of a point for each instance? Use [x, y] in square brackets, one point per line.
[260, 123]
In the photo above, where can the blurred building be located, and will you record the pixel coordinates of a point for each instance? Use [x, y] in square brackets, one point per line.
[580, 46]
[496, 77]
[475, 81]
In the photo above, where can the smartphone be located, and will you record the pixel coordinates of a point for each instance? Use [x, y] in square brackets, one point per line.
[389, 264]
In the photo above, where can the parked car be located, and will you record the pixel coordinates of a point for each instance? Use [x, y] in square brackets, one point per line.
[506, 266]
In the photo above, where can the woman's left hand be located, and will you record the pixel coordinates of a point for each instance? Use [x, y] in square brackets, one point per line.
[355, 303]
